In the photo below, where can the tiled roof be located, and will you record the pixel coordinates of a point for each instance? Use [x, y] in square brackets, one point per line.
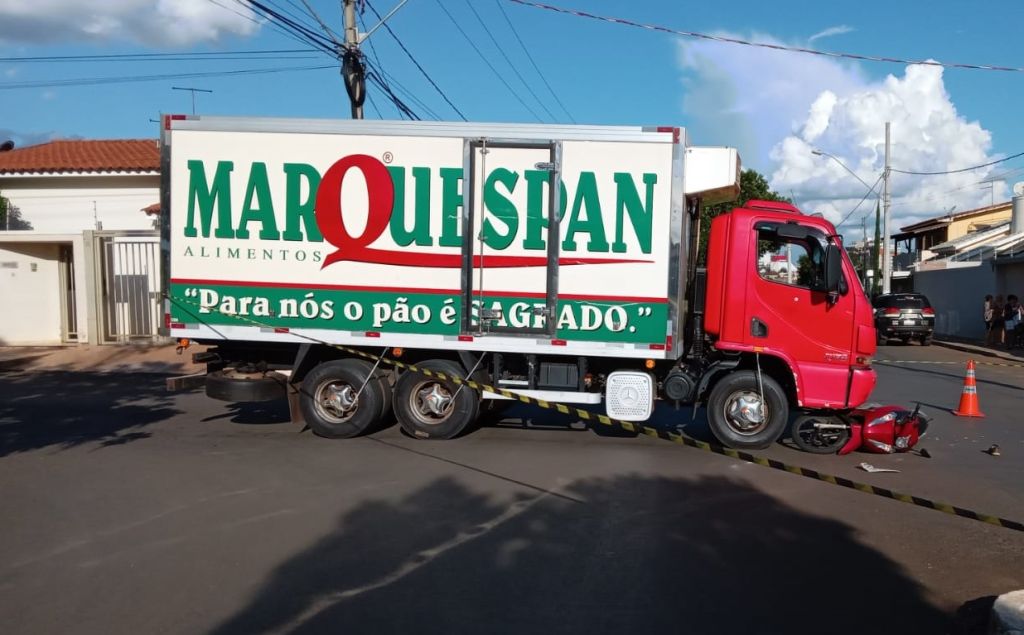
[55, 157]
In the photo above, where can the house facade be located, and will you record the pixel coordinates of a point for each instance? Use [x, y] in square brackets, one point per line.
[957, 259]
[76, 249]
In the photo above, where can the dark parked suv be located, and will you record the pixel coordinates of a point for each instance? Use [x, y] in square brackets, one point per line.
[905, 316]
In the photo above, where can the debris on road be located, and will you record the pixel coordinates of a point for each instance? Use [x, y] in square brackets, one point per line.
[993, 450]
[867, 467]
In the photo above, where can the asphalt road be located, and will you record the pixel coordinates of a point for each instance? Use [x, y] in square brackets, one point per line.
[129, 510]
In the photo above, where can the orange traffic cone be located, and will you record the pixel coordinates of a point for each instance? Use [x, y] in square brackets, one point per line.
[969, 398]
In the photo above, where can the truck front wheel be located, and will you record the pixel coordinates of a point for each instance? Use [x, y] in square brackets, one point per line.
[340, 400]
[435, 408]
[744, 415]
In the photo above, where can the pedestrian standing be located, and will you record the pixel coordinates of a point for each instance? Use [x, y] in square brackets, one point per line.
[997, 320]
[1011, 319]
[988, 313]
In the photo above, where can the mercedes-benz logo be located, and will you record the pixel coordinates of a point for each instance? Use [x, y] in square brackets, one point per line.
[629, 396]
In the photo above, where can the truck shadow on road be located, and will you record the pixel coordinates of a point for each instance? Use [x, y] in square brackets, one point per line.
[63, 409]
[665, 417]
[625, 554]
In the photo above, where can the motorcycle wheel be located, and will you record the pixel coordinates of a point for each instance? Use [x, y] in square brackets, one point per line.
[809, 438]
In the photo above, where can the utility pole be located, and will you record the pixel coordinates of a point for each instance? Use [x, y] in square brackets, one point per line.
[352, 69]
[886, 202]
[864, 250]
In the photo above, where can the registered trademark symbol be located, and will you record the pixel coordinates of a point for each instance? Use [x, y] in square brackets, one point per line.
[388, 157]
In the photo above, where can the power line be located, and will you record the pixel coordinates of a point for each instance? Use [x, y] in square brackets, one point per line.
[486, 61]
[532, 61]
[255, 21]
[160, 57]
[778, 47]
[296, 28]
[323, 25]
[385, 81]
[92, 81]
[857, 206]
[973, 167]
[511, 65]
[418, 66]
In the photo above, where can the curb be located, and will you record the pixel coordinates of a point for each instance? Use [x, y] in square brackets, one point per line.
[1007, 617]
[979, 350]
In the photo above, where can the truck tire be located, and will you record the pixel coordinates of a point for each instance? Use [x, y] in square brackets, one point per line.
[235, 386]
[740, 418]
[329, 399]
[424, 405]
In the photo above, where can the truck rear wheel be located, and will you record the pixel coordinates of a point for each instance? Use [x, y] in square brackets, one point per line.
[434, 408]
[742, 415]
[340, 400]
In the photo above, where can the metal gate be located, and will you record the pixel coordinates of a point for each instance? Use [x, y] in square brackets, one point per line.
[68, 297]
[131, 288]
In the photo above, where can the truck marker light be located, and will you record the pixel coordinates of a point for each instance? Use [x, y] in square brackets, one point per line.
[758, 349]
[184, 342]
[465, 338]
[177, 325]
[169, 118]
[648, 364]
[372, 334]
[657, 347]
[167, 319]
[558, 342]
[281, 329]
[397, 351]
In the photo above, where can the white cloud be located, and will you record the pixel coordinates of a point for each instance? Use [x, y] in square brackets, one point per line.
[777, 106]
[751, 97]
[928, 135]
[842, 29]
[157, 22]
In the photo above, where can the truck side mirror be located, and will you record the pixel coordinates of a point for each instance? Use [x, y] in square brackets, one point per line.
[833, 268]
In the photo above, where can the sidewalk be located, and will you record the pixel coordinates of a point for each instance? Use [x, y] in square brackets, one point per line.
[973, 346]
[137, 358]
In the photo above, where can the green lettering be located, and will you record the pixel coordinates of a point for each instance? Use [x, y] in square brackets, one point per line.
[641, 216]
[536, 204]
[451, 203]
[299, 210]
[258, 191]
[420, 232]
[206, 196]
[501, 208]
[592, 222]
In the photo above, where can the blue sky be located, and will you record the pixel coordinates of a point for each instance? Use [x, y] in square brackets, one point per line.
[769, 104]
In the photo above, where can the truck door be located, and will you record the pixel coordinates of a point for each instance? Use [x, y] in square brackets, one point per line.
[790, 310]
[510, 246]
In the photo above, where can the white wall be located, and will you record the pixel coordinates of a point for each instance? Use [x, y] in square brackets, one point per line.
[30, 294]
[958, 297]
[60, 204]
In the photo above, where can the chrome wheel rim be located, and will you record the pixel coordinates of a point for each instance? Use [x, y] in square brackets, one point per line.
[336, 401]
[746, 413]
[431, 402]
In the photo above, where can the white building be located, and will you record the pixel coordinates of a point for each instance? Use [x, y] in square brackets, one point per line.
[78, 256]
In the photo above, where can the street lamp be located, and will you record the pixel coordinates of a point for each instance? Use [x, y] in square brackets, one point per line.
[819, 153]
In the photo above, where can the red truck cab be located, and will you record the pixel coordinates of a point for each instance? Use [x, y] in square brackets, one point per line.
[768, 294]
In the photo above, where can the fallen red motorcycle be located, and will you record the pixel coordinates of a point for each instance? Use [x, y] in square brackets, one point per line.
[876, 429]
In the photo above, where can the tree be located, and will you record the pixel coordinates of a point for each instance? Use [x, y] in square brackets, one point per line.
[10, 217]
[753, 186]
